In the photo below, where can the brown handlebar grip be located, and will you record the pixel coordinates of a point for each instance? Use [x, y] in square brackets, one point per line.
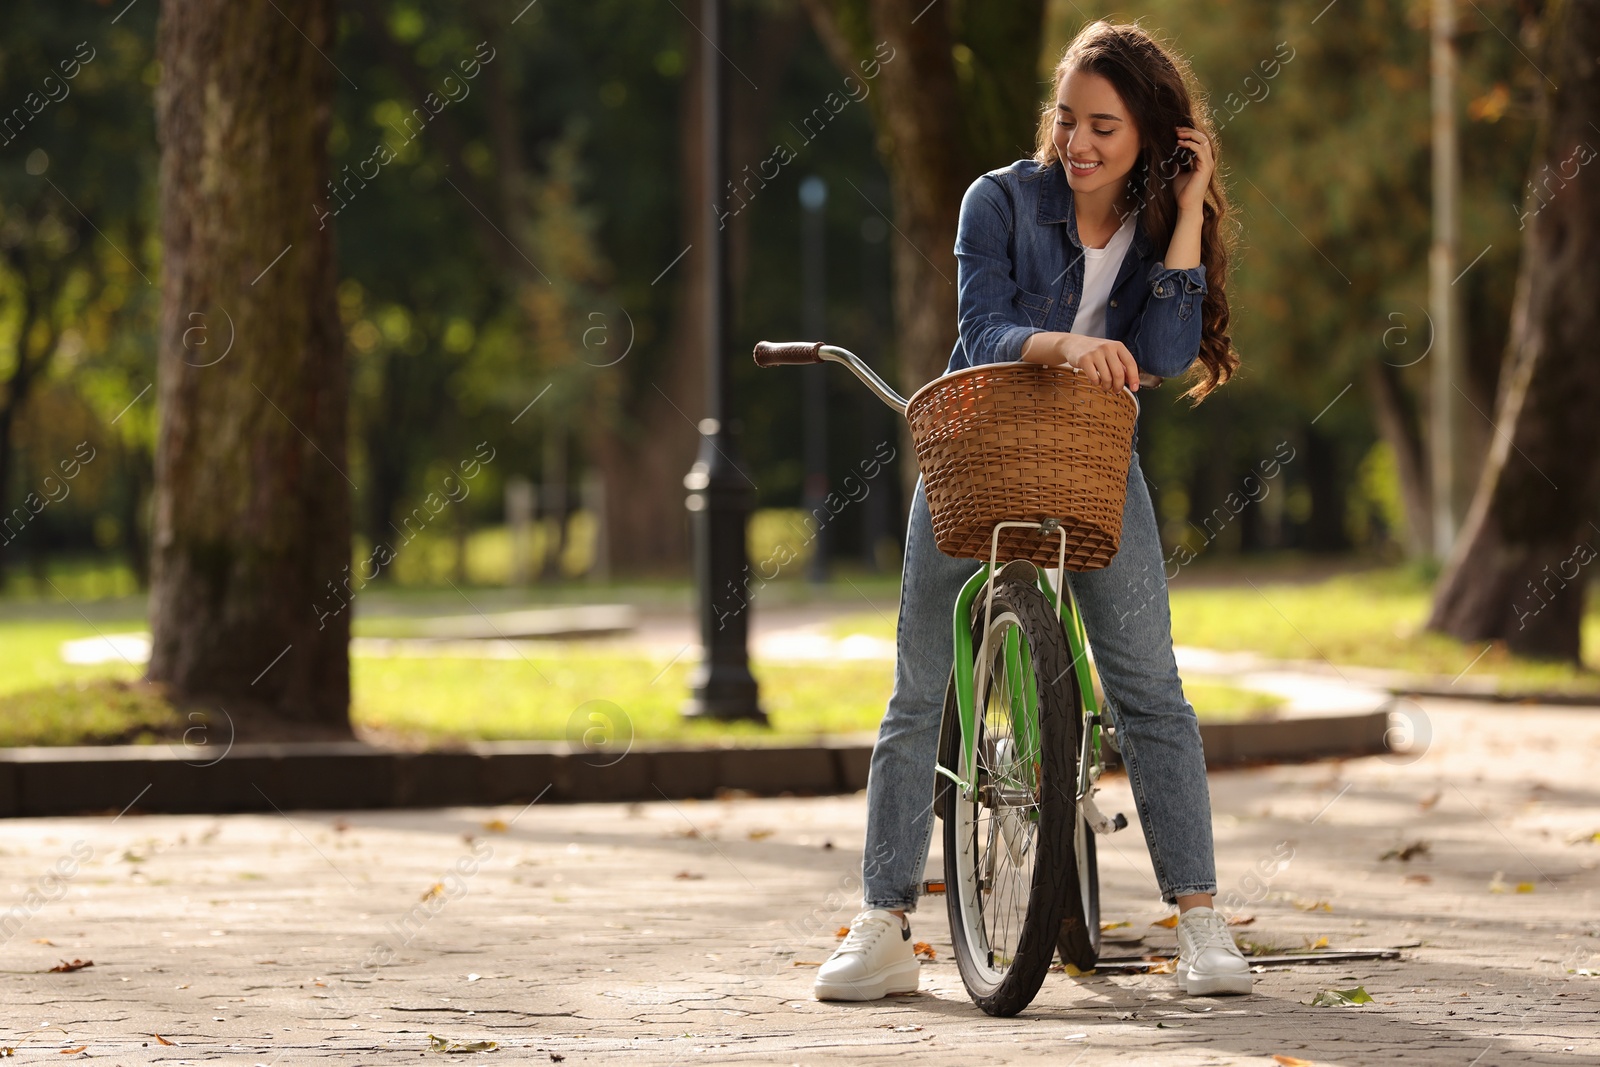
[778, 353]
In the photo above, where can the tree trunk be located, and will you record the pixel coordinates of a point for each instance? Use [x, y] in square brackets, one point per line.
[1518, 569]
[1324, 531]
[553, 501]
[251, 528]
[18, 386]
[937, 132]
[1400, 430]
[135, 541]
[644, 454]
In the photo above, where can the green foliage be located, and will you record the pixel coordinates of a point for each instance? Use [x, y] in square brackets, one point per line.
[530, 234]
[78, 263]
[1327, 164]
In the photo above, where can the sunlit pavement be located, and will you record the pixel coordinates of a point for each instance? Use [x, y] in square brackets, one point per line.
[683, 932]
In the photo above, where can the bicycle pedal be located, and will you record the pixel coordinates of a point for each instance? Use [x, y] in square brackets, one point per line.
[933, 887]
[1098, 821]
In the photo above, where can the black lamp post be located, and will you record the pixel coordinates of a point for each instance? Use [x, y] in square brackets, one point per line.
[720, 495]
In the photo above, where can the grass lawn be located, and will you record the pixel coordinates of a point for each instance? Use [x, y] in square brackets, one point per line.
[565, 691]
[557, 692]
[1371, 619]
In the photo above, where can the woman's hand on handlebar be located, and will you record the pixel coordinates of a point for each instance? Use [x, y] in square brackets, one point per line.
[1106, 363]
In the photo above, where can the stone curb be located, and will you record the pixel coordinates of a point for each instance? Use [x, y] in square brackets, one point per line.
[1446, 692]
[352, 775]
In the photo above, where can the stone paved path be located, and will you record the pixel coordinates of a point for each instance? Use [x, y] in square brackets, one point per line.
[685, 933]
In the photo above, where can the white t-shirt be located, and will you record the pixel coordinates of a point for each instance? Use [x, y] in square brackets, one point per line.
[1100, 267]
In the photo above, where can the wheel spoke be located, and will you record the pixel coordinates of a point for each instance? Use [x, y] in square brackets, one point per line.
[1009, 847]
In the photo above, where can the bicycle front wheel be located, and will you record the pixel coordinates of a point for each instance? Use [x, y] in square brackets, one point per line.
[1010, 867]
[1080, 924]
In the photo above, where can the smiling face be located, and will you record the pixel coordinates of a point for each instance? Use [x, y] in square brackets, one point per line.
[1094, 134]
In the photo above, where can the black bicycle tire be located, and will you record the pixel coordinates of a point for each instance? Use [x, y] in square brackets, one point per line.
[1079, 943]
[1055, 872]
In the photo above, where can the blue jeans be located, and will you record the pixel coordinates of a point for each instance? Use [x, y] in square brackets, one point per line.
[1129, 621]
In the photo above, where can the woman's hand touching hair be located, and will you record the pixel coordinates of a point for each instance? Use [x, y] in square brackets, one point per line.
[1106, 363]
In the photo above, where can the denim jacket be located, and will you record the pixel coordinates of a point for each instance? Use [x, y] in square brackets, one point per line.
[1019, 271]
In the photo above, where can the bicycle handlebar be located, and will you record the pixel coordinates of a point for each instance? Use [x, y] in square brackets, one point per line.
[779, 353]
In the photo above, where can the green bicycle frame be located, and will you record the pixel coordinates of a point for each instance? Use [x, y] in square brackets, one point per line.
[1024, 707]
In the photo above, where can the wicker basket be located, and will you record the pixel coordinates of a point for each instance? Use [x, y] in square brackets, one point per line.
[1021, 441]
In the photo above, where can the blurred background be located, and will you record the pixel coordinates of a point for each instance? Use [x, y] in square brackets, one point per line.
[516, 277]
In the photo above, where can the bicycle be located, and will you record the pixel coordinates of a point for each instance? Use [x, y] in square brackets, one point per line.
[1022, 736]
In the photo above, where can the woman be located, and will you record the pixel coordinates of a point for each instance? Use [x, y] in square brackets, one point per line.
[1102, 254]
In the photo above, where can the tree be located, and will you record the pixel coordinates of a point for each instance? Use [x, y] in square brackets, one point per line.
[251, 532]
[958, 93]
[73, 228]
[1517, 572]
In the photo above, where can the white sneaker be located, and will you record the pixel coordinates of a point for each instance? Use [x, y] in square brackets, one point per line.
[875, 960]
[1209, 963]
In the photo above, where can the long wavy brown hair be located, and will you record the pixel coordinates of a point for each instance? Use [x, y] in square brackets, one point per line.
[1154, 82]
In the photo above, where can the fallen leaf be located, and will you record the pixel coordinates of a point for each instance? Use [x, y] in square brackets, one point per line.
[1584, 837]
[1427, 802]
[1335, 998]
[339, 827]
[1524, 887]
[7, 1050]
[44, 941]
[1321, 942]
[496, 826]
[842, 931]
[1291, 1061]
[759, 835]
[1169, 922]
[440, 1044]
[1497, 884]
[556, 1057]
[1241, 920]
[1313, 905]
[923, 949]
[72, 1051]
[1168, 965]
[434, 890]
[1107, 925]
[1405, 853]
[806, 963]
[1585, 972]
[1419, 879]
[688, 876]
[76, 965]
[163, 1040]
[1073, 971]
